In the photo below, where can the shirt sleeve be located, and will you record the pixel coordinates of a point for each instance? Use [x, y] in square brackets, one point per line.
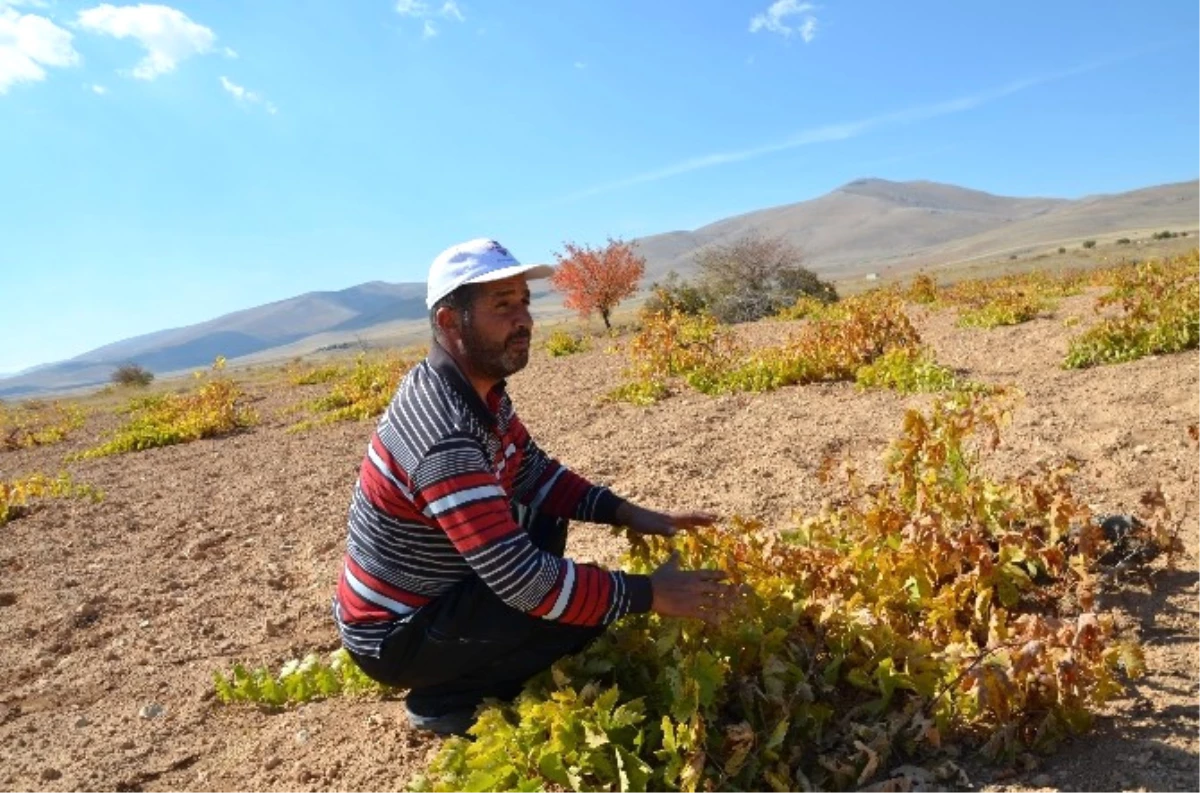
[456, 489]
[548, 486]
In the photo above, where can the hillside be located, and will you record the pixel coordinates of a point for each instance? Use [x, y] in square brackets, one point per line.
[865, 226]
[871, 225]
[227, 550]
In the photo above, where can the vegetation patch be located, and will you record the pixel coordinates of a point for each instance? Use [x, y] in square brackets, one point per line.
[132, 375]
[298, 681]
[560, 343]
[35, 423]
[16, 495]
[1010, 308]
[842, 338]
[744, 280]
[939, 612]
[912, 370]
[299, 375]
[1159, 305]
[213, 409]
[362, 392]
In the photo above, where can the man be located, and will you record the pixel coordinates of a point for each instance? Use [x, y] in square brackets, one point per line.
[454, 583]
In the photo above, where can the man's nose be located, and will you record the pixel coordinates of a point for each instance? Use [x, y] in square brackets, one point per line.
[524, 318]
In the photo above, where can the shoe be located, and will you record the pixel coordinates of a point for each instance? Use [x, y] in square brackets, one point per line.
[454, 722]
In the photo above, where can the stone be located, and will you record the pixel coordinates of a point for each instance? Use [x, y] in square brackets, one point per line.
[50, 774]
[152, 711]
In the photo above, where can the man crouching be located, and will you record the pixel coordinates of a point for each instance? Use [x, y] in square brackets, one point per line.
[454, 584]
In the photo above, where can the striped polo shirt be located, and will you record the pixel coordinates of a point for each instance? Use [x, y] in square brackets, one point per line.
[433, 505]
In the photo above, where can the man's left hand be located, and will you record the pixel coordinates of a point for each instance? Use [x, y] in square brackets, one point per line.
[665, 524]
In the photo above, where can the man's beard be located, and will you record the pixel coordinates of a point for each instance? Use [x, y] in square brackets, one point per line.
[494, 360]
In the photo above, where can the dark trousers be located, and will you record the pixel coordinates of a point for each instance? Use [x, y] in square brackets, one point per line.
[468, 645]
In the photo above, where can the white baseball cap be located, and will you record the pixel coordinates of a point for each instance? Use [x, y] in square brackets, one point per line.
[475, 262]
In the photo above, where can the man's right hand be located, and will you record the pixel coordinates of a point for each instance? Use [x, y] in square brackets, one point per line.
[698, 594]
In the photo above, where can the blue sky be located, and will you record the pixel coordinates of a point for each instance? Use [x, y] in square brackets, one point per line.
[161, 165]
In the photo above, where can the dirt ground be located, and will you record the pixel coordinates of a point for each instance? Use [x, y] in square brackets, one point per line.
[228, 550]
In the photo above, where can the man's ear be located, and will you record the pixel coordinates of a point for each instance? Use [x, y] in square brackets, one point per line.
[447, 320]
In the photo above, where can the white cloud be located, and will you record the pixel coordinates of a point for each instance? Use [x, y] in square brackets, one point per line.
[168, 35]
[776, 19]
[244, 96]
[98, 89]
[418, 9]
[808, 30]
[834, 132]
[580, 65]
[28, 44]
[229, 52]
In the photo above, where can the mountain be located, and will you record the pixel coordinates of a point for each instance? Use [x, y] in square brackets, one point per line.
[865, 226]
[869, 225]
[235, 335]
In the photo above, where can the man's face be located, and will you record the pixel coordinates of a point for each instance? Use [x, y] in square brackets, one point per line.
[497, 328]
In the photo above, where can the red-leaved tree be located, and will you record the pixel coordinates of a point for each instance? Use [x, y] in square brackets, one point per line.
[597, 279]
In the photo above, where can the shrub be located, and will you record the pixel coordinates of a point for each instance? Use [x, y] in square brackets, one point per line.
[1062, 250]
[132, 375]
[1164, 235]
[943, 609]
[923, 289]
[805, 307]
[314, 375]
[363, 392]
[596, 280]
[16, 494]
[1008, 308]
[211, 411]
[754, 277]
[834, 347]
[1123, 241]
[560, 343]
[675, 294]
[1089, 243]
[910, 370]
[672, 344]
[37, 424]
[298, 681]
[639, 392]
[1160, 313]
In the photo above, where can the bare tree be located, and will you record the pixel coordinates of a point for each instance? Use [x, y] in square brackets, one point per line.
[753, 277]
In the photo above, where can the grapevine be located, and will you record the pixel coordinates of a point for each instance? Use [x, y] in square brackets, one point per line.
[941, 608]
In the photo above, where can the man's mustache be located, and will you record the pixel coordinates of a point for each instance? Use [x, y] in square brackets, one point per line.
[520, 334]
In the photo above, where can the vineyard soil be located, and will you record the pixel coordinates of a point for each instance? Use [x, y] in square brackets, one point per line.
[113, 616]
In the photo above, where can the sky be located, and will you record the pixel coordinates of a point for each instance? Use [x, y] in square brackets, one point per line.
[161, 165]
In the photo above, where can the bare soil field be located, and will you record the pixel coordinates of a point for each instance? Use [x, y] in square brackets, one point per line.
[114, 616]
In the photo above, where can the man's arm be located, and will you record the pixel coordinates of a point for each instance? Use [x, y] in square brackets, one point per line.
[454, 487]
[548, 486]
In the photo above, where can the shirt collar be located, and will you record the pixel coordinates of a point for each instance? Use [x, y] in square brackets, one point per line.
[444, 364]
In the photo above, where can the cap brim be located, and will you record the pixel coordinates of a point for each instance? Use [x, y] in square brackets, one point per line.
[527, 270]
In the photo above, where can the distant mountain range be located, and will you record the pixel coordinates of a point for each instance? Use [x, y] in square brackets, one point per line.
[865, 226]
